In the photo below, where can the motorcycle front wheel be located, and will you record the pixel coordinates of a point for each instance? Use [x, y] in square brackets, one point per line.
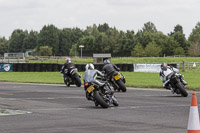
[100, 100]
[66, 82]
[182, 89]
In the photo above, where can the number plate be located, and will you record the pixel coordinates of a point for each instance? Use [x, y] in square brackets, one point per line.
[117, 77]
[90, 89]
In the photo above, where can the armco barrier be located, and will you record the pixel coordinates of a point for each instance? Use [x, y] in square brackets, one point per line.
[43, 67]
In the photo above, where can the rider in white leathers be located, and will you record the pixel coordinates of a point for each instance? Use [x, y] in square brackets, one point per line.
[165, 72]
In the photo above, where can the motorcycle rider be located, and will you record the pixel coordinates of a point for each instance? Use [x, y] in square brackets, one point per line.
[109, 69]
[165, 72]
[68, 65]
[90, 75]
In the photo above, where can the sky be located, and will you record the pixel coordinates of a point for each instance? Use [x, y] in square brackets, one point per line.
[122, 14]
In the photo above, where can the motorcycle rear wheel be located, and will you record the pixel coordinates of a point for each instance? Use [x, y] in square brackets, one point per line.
[77, 81]
[100, 100]
[121, 85]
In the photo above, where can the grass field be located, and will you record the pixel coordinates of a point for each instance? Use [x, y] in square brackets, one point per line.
[122, 60]
[134, 79]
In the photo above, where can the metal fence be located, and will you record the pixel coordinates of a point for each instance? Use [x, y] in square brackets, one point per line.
[190, 66]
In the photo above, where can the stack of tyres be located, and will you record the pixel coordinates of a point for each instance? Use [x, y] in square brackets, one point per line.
[43, 67]
[124, 67]
[59, 67]
[49, 67]
[31, 67]
[14, 67]
[25, 67]
[37, 67]
[130, 67]
[19, 67]
[55, 67]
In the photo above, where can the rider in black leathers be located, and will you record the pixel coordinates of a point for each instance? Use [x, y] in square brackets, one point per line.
[109, 68]
[67, 66]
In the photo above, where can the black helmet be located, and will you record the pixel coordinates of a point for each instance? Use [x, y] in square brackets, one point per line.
[164, 66]
[106, 61]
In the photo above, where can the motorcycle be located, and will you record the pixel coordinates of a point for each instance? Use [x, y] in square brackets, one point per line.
[118, 81]
[101, 95]
[176, 84]
[72, 77]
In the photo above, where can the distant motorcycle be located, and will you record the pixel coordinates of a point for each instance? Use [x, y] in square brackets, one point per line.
[118, 81]
[102, 96]
[176, 84]
[71, 77]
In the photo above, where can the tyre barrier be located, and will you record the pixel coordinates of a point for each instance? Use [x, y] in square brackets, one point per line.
[50, 67]
[31, 67]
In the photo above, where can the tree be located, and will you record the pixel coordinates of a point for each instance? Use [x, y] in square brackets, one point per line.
[73, 51]
[103, 28]
[45, 51]
[138, 51]
[16, 40]
[149, 27]
[152, 50]
[194, 49]
[180, 37]
[195, 35]
[128, 42]
[3, 45]
[179, 51]
[30, 41]
[65, 41]
[177, 28]
[49, 36]
[169, 46]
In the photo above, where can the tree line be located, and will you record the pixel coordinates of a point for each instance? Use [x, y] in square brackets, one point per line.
[146, 42]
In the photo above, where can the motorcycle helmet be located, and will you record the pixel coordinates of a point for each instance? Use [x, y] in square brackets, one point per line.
[89, 66]
[106, 61]
[68, 60]
[164, 66]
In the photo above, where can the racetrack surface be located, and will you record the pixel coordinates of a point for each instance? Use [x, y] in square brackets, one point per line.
[61, 109]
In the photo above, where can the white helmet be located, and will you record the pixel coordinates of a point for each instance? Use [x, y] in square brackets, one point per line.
[89, 66]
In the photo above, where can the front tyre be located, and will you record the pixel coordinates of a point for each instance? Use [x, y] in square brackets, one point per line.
[121, 85]
[182, 89]
[66, 80]
[100, 100]
[77, 81]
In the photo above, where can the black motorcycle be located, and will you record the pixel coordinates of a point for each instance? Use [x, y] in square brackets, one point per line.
[118, 81]
[176, 84]
[71, 77]
[101, 95]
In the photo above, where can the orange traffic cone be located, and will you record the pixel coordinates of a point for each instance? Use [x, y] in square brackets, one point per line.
[193, 121]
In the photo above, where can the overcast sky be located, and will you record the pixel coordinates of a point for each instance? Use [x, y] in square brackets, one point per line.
[123, 14]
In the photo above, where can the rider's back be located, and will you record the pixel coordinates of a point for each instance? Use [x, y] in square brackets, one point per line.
[109, 68]
[90, 75]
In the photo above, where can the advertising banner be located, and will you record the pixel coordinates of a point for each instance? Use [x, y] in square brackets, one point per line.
[6, 67]
[147, 68]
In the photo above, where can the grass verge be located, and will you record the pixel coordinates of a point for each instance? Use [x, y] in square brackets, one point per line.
[133, 79]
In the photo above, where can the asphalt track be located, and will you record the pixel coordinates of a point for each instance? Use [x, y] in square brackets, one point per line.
[61, 109]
